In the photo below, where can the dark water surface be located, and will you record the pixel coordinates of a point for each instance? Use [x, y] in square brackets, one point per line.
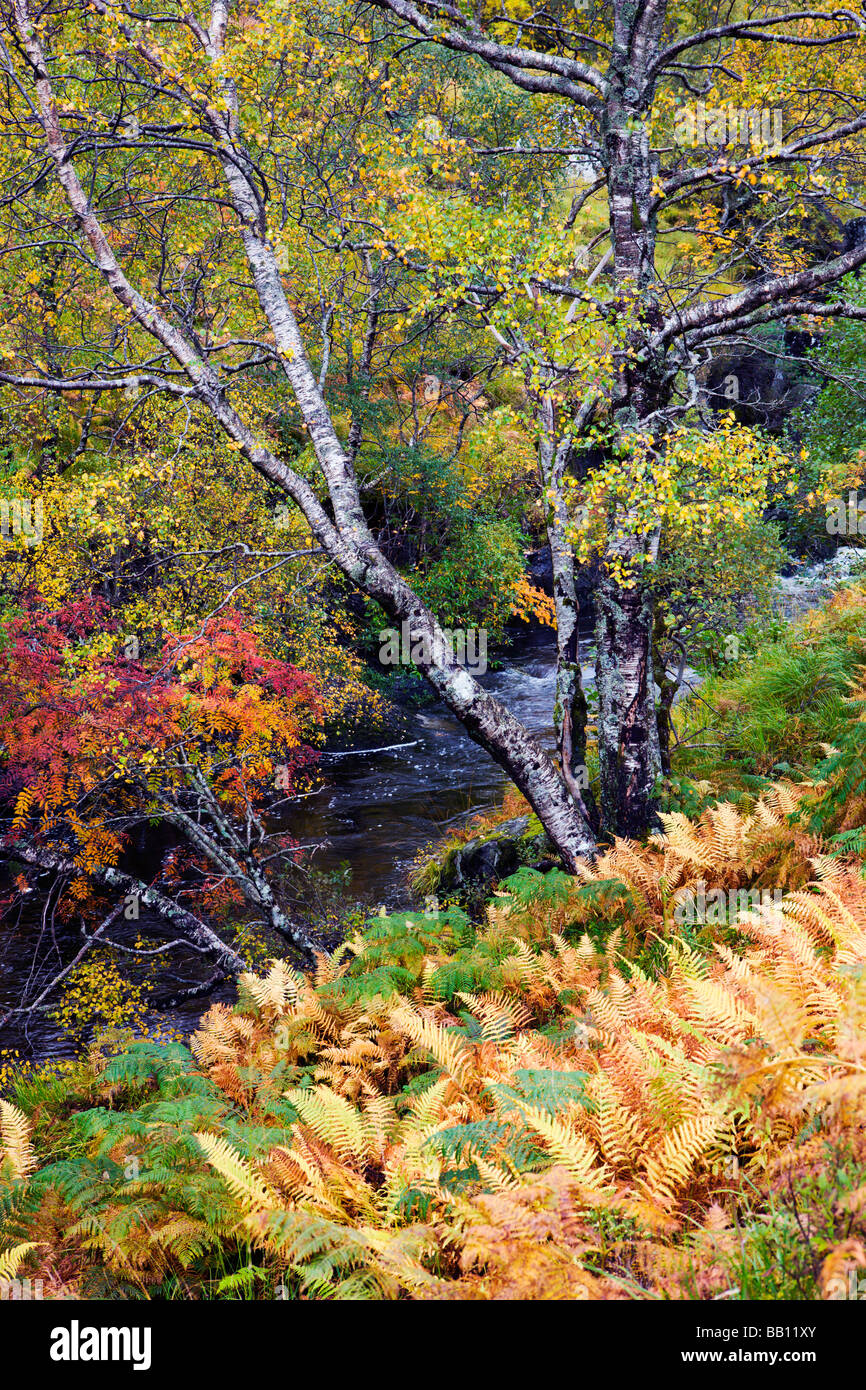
[377, 809]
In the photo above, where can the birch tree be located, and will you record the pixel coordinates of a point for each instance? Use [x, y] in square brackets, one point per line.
[726, 125]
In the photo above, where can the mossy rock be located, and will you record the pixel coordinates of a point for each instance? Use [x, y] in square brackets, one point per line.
[467, 872]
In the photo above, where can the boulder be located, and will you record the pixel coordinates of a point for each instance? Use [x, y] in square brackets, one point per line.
[469, 870]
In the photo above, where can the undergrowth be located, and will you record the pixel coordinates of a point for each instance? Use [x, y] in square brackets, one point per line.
[588, 1094]
[570, 1100]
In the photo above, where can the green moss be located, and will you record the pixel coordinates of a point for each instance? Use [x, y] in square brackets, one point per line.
[467, 869]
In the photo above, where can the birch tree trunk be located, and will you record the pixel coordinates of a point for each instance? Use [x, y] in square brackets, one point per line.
[570, 705]
[629, 754]
[628, 742]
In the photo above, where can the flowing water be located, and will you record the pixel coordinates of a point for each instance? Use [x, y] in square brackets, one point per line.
[377, 808]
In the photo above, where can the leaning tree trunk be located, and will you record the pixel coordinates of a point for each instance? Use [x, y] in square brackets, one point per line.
[486, 719]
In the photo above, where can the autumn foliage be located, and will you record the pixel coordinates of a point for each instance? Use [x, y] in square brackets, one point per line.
[96, 741]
